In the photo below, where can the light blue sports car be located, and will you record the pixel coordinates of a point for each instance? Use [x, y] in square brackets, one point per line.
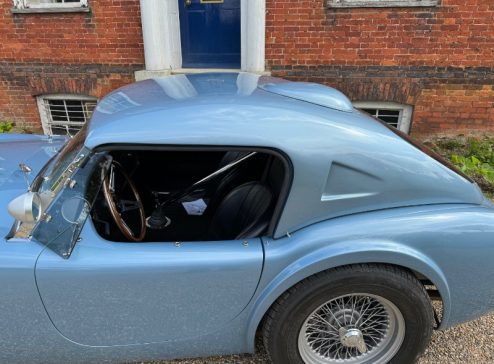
[194, 212]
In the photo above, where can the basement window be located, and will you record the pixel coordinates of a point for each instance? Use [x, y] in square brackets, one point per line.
[64, 114]
[394, 114]
[380, 3]
[42, 6]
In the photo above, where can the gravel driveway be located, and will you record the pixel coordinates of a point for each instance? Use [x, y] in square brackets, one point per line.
[470, 343]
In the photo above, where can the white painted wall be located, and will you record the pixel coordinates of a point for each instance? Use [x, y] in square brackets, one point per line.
[253, 38]
[161, 34]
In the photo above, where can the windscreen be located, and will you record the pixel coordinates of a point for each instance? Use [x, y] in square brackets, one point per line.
[65, 216]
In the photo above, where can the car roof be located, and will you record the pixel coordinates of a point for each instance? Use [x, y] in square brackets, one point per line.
[219, 102]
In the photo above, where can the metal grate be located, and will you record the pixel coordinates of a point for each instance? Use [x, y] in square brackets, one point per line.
[391, 117]
[67, 116]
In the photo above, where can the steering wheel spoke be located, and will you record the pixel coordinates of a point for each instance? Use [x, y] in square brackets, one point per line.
[119, 206]
[127, 205]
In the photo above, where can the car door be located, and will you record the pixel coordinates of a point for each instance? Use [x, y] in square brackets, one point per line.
[110, 293]
[102, 293]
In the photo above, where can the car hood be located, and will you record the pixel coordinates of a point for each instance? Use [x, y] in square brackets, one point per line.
[33, 150]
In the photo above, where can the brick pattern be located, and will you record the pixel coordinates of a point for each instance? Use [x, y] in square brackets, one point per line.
[453, 109]
[21, 83]
[109, 34]
[438, 59]
[81, 53]
[304, 32]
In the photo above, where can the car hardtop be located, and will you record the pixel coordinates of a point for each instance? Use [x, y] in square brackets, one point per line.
[343, 161]
[227, 105]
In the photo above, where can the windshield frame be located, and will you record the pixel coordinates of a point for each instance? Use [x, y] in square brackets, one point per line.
[61, 164]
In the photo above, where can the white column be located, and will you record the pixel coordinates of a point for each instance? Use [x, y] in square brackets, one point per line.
[161, 33]
[253, 29]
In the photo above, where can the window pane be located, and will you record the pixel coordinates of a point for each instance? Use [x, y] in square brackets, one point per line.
[40, 2]
[372, 112]
[391, 117]
[390, 120]
[395, 113]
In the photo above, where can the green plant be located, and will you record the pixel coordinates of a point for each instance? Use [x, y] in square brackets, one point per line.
[473, 156]
[6, 126]
[477, 161]
[481, 149]
[473, 165]
[451, 144]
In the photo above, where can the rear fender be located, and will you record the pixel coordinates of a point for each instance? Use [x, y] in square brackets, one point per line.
[347, 253]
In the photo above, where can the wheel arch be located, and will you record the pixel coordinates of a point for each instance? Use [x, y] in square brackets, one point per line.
[321, 260]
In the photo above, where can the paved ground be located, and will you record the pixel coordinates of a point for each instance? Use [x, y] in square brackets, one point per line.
[471, 343]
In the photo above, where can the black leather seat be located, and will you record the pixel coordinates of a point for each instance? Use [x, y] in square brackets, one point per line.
[243, 213]
[247, 171]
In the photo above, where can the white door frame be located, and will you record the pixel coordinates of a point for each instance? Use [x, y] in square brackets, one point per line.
[161, 35]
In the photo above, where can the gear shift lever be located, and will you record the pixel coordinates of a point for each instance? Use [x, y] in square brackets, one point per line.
[158, 220]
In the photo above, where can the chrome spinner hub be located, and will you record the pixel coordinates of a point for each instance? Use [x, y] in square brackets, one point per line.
[353, 338]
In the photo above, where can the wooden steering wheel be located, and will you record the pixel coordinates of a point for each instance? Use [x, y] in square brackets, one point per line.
[119, 206]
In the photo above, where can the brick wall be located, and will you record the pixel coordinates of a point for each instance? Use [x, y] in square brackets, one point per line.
[82, 53]
[455, 108]
[438, 59]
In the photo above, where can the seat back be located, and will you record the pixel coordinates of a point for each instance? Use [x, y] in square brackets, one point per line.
[242, 173]
[243, 213]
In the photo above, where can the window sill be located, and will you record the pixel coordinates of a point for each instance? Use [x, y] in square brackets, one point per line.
[380, 3]
[51, 10]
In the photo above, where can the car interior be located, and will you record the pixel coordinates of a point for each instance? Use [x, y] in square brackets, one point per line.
[206, 195]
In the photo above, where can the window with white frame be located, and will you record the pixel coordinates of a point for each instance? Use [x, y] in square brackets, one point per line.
[392, 113]
[380, 3]
[40, 4]
[64, 114]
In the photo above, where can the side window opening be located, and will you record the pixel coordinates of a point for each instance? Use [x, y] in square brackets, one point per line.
[192, 195]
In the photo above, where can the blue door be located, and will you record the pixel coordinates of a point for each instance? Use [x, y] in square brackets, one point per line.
[210, 33]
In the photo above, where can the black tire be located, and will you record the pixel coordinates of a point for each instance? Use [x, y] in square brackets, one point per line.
[287, 315]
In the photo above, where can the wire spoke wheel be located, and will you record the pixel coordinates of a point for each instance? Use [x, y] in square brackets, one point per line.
[355, 328]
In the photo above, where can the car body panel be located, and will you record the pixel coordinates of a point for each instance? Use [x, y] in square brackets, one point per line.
[451, 245]
[330, 150]
[26, 331]
[433, 240]
[359, 194]
[136, 293]
[34, 151]
[29, 336]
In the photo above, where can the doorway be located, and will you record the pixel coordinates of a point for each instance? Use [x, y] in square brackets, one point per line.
[210, 33]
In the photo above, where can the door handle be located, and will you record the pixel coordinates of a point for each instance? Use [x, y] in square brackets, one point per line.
[188, 2]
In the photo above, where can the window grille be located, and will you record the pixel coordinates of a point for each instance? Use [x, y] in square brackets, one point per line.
[65, 115]
[26, 4]
[391, 117]
[394, 114]
[380, 3]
